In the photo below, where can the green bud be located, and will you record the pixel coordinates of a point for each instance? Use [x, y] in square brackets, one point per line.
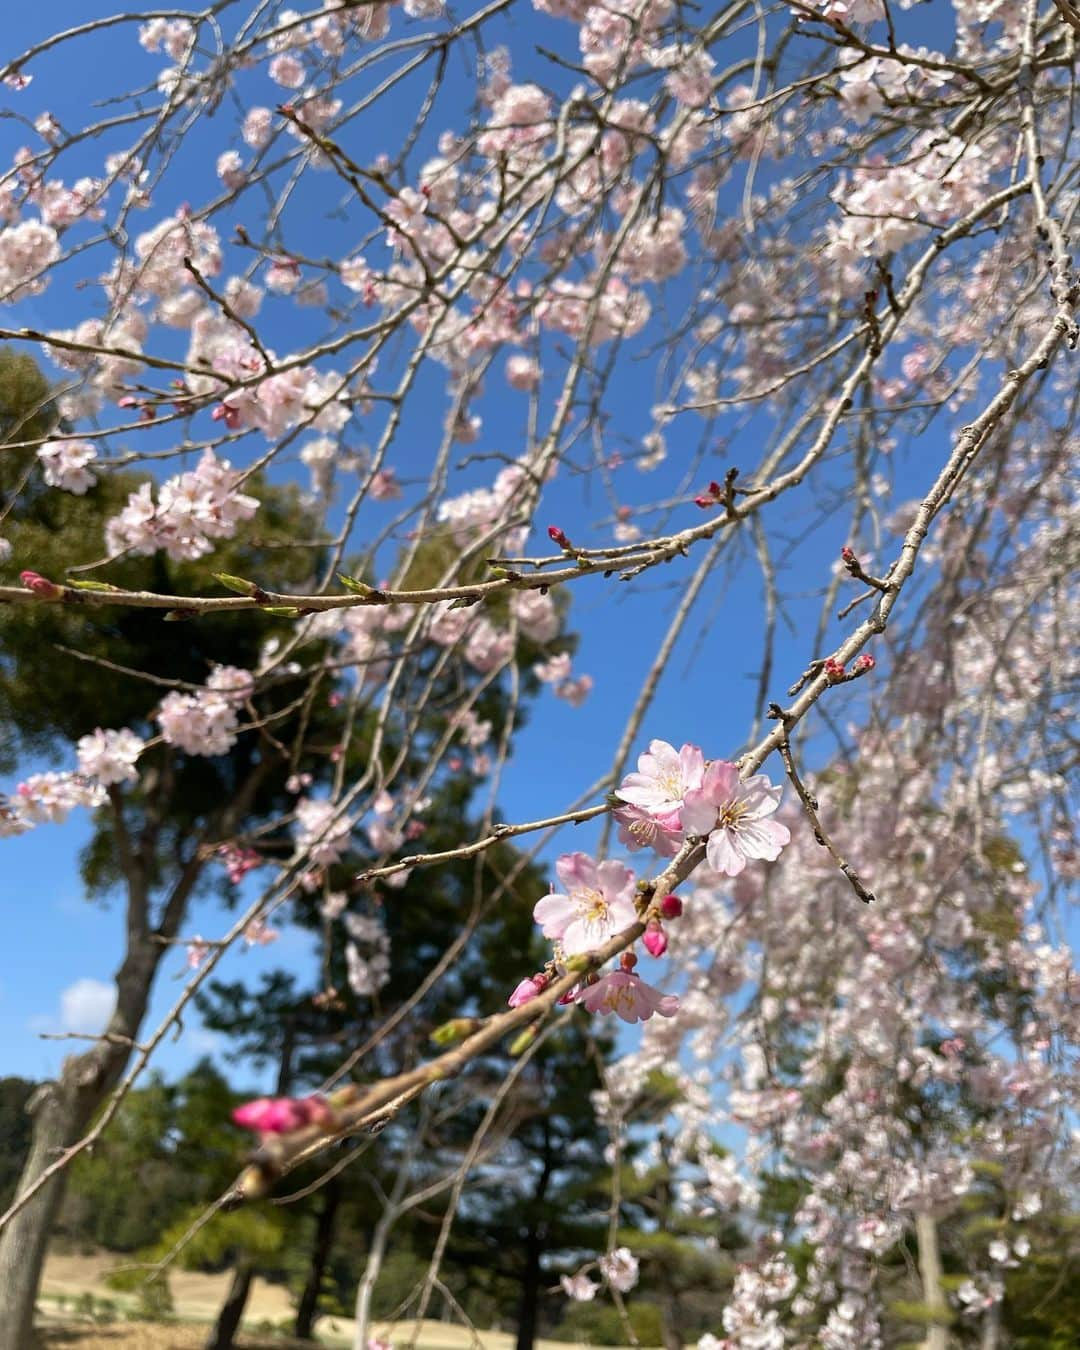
[237, 584]
[93, 586]
[524, 1039]
[286, 611]
[455, 1030]
[353, 584]
[576, 964]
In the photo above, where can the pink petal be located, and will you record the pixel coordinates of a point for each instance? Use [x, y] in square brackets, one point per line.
[723, 855]
[553, 913]
[698, 814]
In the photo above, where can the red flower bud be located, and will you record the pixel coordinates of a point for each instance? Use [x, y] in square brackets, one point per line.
[42, 587]
[671, 907]
[865, 662]
[557, 536]
[655, 939]
[704, 502]
[715, 489]
[834, 669]
[848, 554]
[628, 961]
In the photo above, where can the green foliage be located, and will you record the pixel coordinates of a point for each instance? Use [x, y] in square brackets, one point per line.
[601, 1324]
[921, 1313]
[15, 1129]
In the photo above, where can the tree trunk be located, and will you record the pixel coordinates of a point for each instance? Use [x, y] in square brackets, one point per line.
[63, 1110]
[22, 1248]
[320, 1256]
[930, 1272]
[529, 1307]
[232, 1309]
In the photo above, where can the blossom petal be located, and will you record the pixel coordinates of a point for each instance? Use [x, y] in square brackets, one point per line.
[553, 913]
[698, 814]
[723, 854]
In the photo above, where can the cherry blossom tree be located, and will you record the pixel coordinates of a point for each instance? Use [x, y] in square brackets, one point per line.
[375, 335]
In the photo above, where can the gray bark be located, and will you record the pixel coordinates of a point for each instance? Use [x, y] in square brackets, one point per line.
[63, 1110]
[930, 1273]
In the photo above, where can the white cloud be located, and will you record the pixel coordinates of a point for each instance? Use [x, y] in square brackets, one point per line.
[86, 1006]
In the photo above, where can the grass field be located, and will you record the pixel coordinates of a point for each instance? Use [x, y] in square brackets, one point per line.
[197, 1298]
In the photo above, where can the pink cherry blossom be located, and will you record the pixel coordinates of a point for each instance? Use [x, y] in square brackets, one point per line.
[579, 1287]
[639, 829]
[664, 776]
[64, 464]
[109, 756]
[626, 994]
[734, 814]
[620, 1269]
[597, 904]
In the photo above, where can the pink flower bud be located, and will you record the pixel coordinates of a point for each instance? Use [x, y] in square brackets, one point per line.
[41, 586]
[282, 1115]
[527, 990]
[834, 670]
[848, 554]
[558, 536]
[704, 502]
[655, 939]
[671, 907]
[865, 662]
[715, 489]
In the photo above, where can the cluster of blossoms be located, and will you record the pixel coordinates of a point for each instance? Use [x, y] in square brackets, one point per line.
[367, 954]
[206, 722]
[619, 1269]
[105, 758]
[323, 831]
[26, 251]
[674, 795]
[65, 465]
[192, 509]
[109, 756]
[47, 798]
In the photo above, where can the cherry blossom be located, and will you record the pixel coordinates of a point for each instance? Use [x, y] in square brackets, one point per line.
[64, 464]
[734, 815]
[597, 904]
[664, 777]
[109, 756]
[628, 996]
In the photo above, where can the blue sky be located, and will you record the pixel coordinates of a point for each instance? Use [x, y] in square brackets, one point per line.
[63, 949]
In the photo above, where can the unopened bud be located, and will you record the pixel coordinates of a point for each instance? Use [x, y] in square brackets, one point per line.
[671, 906]
[654, 939]
[865, 662]
[42, 587]
[834, 670]
[715, 489]
[455, 1030]
[524, 1039]
[628, 961]
[704, 502]
[848, 554]
[558, 536]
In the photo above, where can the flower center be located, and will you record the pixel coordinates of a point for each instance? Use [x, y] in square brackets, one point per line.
[592, 904]
[622, 996]
[727, 818]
